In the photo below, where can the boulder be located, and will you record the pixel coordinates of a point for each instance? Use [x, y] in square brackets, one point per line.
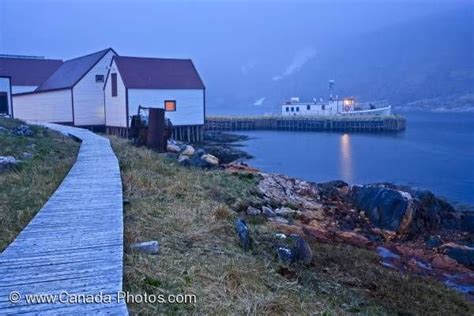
[407, 210]
[226, 153]
[284, 190]
[243, 233]
[173, 148]
[461, 253]
[385, 207]
[333, 189]
[7, 162]
[188, 150]
[210, 160]
[252, 211]
[294, 249]
[301, 250]
[268, 212]
[149, 247]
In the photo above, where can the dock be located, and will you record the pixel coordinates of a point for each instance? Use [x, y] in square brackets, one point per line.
[366, 124]
[73, 247]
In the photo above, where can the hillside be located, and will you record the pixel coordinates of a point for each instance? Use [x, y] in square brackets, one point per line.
[426, 59]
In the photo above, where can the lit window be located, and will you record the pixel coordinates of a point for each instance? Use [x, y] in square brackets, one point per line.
[99, 78]
[170, 105]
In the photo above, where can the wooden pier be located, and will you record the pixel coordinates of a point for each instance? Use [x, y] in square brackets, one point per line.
[369, 124]
[73, 247]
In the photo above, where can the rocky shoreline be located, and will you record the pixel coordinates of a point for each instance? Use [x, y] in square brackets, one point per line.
[411, 230]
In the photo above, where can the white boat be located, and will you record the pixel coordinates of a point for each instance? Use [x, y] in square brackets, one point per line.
[334, 106]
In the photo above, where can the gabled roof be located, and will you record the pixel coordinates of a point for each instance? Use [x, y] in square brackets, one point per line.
[72, 71]
[158, 73]
[28, 71]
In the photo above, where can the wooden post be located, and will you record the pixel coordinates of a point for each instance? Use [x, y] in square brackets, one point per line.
[156, 129]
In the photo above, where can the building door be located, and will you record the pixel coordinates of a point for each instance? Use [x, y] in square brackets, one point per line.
[3, 103]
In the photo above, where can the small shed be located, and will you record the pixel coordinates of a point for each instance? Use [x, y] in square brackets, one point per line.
[26, 72]
[170, 84]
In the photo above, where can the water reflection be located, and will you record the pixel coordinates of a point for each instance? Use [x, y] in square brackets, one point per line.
[346, 158]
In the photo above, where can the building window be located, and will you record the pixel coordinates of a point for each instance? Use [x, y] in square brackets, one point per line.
[323, 107]
[292, 109]
[170, 105]
[297, 109]
[287, 109]
[99, 78]
[308, 107]
[113, 77]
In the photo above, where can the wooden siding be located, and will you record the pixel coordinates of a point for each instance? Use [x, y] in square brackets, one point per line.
[51, 106]
[5, 87]
[23, 89]
[115, 107]
[89, 95]
[189, 104]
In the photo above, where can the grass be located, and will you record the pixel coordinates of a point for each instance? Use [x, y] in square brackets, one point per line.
[25, 189]
[190, 212]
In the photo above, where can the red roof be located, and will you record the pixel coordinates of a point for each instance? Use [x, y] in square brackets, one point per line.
[158, 73]
[28, 71]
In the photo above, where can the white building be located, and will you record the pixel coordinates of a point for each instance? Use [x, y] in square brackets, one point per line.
[103, 90]
[73, 94]
[170, 84]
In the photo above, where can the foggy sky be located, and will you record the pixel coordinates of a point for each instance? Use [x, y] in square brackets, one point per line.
[227, 40]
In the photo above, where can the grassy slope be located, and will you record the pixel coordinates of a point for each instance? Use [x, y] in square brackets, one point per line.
[190, 212]
[23, 191]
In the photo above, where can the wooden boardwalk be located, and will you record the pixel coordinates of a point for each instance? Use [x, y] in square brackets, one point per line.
[74, 244]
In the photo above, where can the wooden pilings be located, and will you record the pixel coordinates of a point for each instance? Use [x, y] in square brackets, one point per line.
[356, 124]
[117, 131]
[188, 133]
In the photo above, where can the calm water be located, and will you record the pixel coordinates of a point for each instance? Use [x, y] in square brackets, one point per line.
[436, 152]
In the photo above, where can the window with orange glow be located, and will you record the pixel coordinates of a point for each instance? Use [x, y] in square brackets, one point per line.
[170, 105]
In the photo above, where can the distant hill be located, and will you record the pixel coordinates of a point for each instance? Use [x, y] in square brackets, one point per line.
[427, 64]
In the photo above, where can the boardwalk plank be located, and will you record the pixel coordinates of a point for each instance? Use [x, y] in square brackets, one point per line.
[75, 242]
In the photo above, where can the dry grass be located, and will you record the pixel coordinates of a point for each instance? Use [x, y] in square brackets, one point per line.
[190, 213]
[24, 190]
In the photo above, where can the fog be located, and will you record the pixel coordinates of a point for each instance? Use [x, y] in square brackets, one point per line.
[252, 55]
